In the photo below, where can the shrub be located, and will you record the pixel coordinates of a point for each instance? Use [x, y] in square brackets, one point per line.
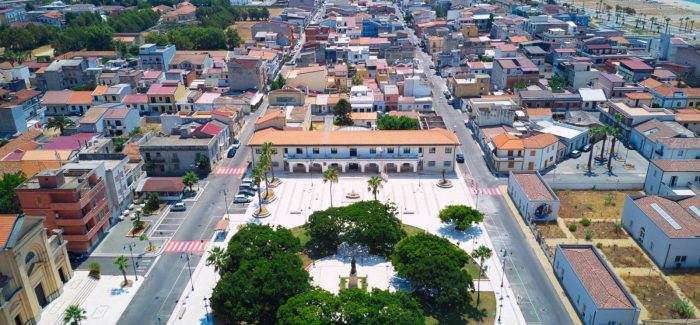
[138, 225]
[683, 308]
[617, 225]
[599, 245]
[95, 270]
[572, 227]
[586, 222]
[589, 234]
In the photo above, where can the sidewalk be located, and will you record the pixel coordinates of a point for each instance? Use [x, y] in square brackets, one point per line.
[103, 300]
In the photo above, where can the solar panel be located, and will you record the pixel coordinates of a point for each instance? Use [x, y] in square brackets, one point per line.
[695, 210]
[665, 215]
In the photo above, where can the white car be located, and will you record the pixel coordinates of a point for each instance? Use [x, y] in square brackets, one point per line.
[178, 207]
[241, 199]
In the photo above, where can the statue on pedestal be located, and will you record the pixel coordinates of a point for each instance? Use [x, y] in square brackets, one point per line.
[352, 280]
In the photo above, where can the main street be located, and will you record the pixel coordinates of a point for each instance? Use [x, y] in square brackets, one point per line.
[158, 296]
[539, 301]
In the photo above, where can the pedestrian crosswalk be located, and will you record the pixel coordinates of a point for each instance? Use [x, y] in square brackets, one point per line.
[485, 191]
[230, 171]
[194, 246]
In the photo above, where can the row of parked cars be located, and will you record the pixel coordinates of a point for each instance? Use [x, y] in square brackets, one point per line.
[246, 191]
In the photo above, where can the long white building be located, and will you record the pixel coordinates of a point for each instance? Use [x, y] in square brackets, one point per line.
[359, 151]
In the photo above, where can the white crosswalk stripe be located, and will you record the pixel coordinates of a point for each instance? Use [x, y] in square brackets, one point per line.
[195, 246]
[486, 191]
[230, 171]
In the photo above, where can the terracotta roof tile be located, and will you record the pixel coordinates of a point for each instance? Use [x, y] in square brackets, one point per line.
[534, 186]
[163, 184]
[540, 141]
[678, 210]
[7, 223]
[359, 138]
[677, 165]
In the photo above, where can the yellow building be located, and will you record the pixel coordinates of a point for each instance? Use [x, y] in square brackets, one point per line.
[163, 98]
[33, 268]
[434, 44]
[287, 96]
[474, 85]
[312, 78]
[470, 30]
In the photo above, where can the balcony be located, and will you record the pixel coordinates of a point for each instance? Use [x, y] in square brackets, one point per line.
[72, 222]
[89, 235]
[345, 157]
[86, 195]
[7, 289]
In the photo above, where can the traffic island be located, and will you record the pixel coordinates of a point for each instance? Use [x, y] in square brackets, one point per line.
[269, 196]
[262, 212]
[444, 183]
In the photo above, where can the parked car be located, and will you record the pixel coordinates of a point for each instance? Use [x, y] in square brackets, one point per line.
[242, 199]
[460, 157]
[236, 144]
[587, 148]
[231, 153]
[575, 154]
[248, 184]
[447, 94]
[179, 206]
[245, 192]
[77, 257]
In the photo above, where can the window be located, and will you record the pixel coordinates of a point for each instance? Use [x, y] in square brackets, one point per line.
[406, 150]
[390, 150]
[448, 150]
[315, 151]
[697, 178]
[680, 153]
[299, 151]
[334, 150]
[681, 259]
[373, 151]
[258, 151]
[431, 150]
[532, 153]
[447, 163]
[431, 163]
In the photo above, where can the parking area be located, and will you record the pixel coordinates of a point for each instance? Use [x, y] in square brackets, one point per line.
[169, 224]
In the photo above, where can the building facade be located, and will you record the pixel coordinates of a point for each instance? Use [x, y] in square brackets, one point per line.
[532, 196]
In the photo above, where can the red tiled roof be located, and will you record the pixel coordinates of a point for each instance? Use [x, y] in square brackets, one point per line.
[117, 113]
[677, 165]
[135, 99]
[596, 277]
[72, 142]
[679, 211]
[7, 223]
[160, 89]
[636, 65]
[534, 187]
[210, 128]
[163, 184]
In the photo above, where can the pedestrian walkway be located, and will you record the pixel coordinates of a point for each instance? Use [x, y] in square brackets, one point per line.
[485, 191]
[194, 246]
[230, 171]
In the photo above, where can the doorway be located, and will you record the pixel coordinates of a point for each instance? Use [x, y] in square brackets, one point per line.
[39, 291]
[61, 275]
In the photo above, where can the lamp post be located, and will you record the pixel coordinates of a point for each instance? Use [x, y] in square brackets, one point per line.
[133, 263]
[503, 274]
[206, 308]
[225, 192]
[187, 256]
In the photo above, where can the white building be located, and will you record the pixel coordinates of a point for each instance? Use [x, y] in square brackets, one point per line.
[416, 87]
[594, 290]
[668, 228]
[574, 138]
[673, 177]
[364, 151]
[362, 99]
[532, 196]
[358, 54]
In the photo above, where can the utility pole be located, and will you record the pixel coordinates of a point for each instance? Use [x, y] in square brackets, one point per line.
[133, 263]
[206, 309]
[225, 192]
[187, 256]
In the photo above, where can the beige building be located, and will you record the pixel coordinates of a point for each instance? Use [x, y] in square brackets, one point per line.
[287, 96]
[311, 78]
[33, 268]
[473, 85]
[360, 151]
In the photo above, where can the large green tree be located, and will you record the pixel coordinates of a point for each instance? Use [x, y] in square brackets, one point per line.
[435, 268]
[370, 223]
[461, 216]
[9, 203]
[255, 290]
[342, 111]
[315, 307]
[259, 242]
[391, 122]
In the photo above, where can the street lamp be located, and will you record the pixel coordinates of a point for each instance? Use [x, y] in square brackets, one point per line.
[206, 308]
[187, 256]
[133, 263]
[503, 275]
[225, 192]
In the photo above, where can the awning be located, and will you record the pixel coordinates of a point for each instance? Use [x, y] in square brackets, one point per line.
[222, 225]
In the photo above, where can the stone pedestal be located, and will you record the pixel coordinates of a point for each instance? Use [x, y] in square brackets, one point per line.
[352, 281]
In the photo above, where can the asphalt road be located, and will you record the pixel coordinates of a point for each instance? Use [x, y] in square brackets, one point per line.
[157, 298]
[539, 301]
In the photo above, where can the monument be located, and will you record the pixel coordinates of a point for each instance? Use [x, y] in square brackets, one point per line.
[352, 280]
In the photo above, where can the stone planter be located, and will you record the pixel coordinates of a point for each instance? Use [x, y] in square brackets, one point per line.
[444, 184]
[263, 212]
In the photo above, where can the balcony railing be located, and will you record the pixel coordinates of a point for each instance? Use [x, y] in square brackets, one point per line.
[68, 222]
[349, 157]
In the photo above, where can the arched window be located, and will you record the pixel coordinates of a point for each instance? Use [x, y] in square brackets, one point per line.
[29, 261]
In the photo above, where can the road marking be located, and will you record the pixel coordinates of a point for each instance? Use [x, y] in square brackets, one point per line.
[485, 191]
[195, 246]
[231, 171]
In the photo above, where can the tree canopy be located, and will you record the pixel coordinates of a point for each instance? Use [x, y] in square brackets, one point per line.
[9, 203]
[342, 111]
[557, 83]
[264, 271]
[461, 216]
[434, 266]
[351, 306]
[391, 122]
[370, 223]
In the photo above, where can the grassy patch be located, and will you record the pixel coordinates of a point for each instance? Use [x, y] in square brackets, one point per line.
[654, 293]
[592, 204]
[300, 232]
[244, 28]
[411, 230]
[689, 282]
[602, 230]
[550, 230]
[484, 314]
[621, 256]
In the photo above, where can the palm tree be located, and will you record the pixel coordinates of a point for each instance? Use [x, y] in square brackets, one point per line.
[123, 264]
[443, 172]
[653, 22]
[331, 176]
[482, 253]
[668, 20]
[264, 164]
[60, 123]
[594, 132]
[692, 22]
[73, 315]
[190, 179]
[606, 131]
[267, 150]
[374, 183]
[257, 179]
[217, 258]
[614, 133]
